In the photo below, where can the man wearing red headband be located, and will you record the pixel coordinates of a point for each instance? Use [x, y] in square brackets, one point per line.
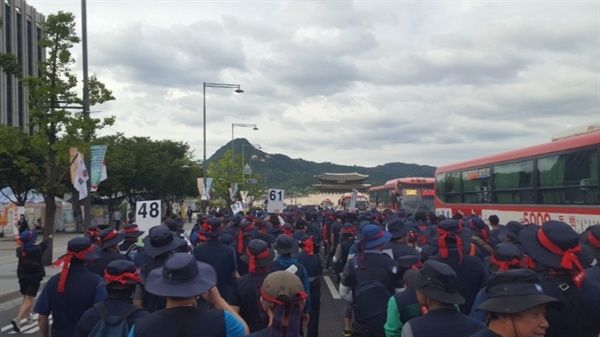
[69, 294]
[121, 278]
[245, 298]
[562, 260]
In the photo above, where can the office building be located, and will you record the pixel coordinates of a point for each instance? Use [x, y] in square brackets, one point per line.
[22, 27]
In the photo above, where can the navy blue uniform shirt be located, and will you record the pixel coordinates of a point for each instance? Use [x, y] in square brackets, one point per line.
[223, 259]
[82, 289]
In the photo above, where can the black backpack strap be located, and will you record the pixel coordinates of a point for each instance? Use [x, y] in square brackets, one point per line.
[129, 312]
[101, 309]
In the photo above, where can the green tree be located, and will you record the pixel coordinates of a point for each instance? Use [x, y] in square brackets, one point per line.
[225, 172]
[21, 163]
[58, 128]
[141, 167]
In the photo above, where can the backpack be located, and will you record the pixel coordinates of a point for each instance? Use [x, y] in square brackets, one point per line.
[370, 303]
[111, 325]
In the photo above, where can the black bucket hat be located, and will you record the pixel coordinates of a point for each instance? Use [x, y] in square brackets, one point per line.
[513, 291]
[556, 245]
[213, 227]
[437, 281]
[120, 274]
[449, 233]
[258, 251]
[161, 240]
[132, 231]
[505, 256]
[110, 237]
[286, 245]
[397, 228]
[181, 276]
[512, 229]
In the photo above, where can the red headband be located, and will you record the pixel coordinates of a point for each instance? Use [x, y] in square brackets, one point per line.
[309, 246]
[505, 265]
[122, 278]
[130, 230]
[252, 259]
[569, 261]
[109, 236]
[66, 262]
[483, 232]
[594, 241]
[297, 299]
[240, 241]
[444, 247]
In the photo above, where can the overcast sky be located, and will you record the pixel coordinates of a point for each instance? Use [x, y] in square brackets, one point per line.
[348, 82]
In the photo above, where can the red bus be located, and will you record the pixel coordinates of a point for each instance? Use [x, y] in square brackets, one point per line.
[552, 181]
[414, 193]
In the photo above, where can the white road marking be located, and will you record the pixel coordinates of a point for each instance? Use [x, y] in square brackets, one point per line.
[331, 286]
[25, 329]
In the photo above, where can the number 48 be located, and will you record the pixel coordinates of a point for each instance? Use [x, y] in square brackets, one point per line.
[154, 210]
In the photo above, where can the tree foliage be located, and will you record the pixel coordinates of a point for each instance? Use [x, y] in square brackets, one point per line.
[225, 172]
[21, 163]
[142, 168]
[52, 98]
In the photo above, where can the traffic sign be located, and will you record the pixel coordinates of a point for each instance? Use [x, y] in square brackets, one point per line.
[247, 169]
[250, 181]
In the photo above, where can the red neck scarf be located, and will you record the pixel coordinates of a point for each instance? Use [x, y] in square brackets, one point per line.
[505, 265]
[592, 240]
[252, 259]
[66, 262]
[444, 247]
[569, 261]
[122, 278]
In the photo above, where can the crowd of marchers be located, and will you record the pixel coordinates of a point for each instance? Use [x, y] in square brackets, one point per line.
[259, 274]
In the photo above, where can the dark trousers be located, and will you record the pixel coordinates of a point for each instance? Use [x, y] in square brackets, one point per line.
[313, 323]
[117, 225]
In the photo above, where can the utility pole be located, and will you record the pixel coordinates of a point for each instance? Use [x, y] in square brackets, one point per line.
[87, 206]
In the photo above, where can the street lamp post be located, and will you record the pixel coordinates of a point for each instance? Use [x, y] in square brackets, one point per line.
[204, 86]
[241, 125]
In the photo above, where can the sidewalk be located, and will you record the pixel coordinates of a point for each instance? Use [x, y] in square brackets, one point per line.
[9, 283]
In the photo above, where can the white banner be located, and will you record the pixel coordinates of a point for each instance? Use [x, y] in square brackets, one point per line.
[81, 176]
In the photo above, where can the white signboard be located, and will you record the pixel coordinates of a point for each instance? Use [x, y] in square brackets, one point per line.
[148, 214]
[275, 201]
[237, 207]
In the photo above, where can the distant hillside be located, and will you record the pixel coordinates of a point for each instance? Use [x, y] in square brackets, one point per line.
[284, 172]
